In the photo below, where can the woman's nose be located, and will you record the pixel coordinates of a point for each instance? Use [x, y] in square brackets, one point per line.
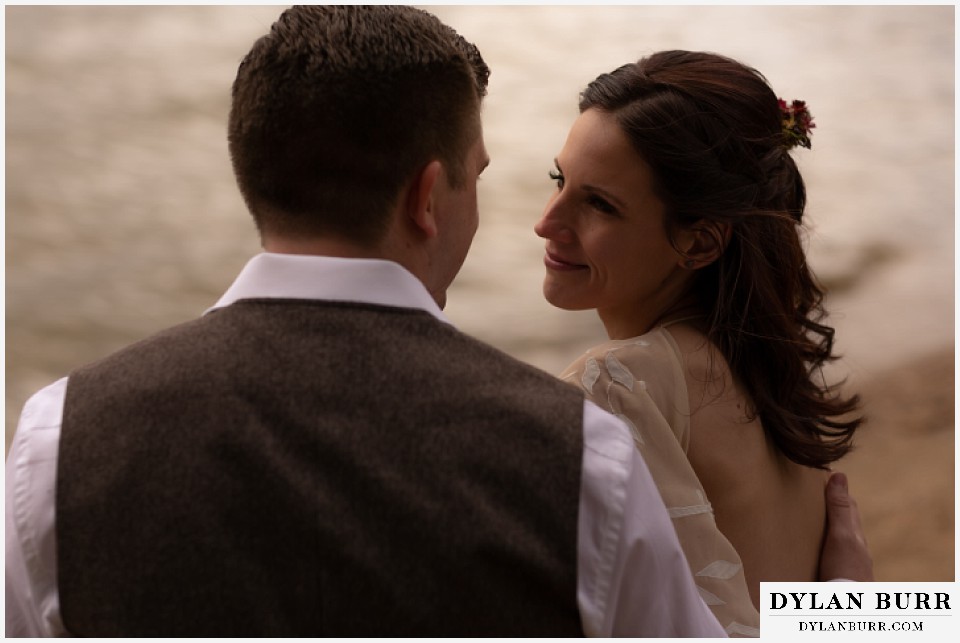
[551, 224]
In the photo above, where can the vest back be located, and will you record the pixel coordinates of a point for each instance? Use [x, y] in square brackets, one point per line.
[308, 468]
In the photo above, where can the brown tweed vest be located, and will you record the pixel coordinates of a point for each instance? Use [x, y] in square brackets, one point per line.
[305, 468]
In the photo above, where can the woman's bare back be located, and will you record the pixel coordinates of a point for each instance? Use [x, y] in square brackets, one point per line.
[771, 509]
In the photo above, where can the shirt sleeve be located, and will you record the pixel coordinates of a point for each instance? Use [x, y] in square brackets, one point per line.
[642, 383]
[632, 577]
[624, 534]
[32, 606]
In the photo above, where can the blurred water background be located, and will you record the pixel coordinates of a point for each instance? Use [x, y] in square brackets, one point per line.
[122, 216]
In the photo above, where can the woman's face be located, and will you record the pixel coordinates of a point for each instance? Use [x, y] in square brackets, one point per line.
[606, 246]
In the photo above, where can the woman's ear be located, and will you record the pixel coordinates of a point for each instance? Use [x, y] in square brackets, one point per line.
[420, 207]
[705, 242]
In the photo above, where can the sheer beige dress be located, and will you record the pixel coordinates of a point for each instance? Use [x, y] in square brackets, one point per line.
[641, 381]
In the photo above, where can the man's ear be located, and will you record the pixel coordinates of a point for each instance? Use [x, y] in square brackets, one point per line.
[420, 204]
[705, 241]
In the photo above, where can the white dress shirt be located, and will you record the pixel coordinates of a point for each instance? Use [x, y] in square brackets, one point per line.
[632, 577]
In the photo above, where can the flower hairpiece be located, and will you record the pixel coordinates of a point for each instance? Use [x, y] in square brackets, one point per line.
[797, 123]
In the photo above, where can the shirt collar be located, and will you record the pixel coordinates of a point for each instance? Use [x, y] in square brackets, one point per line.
[370, 281]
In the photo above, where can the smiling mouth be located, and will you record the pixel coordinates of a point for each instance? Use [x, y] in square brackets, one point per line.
[553, 262]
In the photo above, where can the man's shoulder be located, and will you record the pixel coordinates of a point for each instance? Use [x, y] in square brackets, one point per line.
[157, 343]
[507, 363]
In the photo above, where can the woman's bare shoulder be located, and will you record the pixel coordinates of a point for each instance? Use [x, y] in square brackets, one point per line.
[770, 508]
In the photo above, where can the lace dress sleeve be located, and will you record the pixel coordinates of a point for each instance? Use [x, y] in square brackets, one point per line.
[641, 382]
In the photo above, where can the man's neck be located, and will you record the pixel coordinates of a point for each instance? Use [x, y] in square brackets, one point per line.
[398, 252]
[324, 247]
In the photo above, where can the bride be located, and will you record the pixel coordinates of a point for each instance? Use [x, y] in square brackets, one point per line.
[677, 216]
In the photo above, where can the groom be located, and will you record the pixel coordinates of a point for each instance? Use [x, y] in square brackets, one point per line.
[322, 453]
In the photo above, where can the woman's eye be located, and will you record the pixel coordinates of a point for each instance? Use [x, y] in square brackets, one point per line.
[601, 204]
[557, 177]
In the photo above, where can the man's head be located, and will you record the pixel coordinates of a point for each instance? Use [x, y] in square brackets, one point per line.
[338, 108]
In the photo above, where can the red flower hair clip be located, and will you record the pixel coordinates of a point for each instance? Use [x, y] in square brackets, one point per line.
[797, 123]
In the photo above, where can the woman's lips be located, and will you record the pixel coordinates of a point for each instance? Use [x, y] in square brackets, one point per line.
[554, 262]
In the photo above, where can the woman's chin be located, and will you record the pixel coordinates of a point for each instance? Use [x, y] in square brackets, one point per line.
[563, 299]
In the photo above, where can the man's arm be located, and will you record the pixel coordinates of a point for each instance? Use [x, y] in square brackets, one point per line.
[32, 603]
[844, 555]
[632, 578]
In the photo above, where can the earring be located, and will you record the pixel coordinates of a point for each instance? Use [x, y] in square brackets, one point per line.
[688, 263]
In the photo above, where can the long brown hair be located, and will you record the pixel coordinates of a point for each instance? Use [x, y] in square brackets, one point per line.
[711, 130]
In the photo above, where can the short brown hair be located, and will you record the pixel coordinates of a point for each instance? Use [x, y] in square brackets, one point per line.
[339, 105]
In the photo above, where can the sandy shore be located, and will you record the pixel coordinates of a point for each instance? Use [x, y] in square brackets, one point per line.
[902, 471]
